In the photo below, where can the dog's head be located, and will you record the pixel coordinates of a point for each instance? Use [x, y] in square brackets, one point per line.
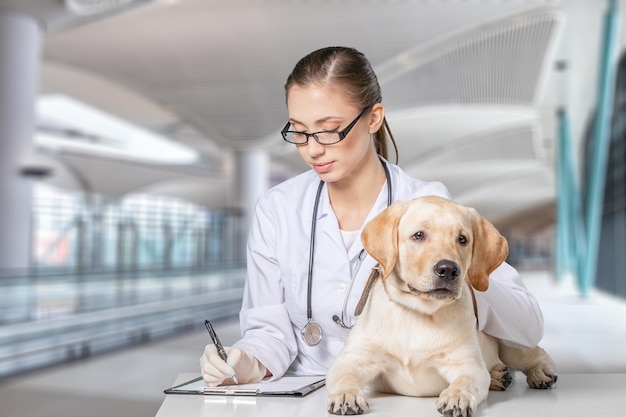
[428, 247]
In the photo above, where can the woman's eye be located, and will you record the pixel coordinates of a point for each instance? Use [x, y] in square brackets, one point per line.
[463, 240]
[418, 236]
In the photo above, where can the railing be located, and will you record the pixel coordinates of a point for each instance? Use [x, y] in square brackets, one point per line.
[88, 231]
[56, 317]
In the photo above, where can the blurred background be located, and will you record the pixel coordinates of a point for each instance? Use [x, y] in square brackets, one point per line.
[136, 135]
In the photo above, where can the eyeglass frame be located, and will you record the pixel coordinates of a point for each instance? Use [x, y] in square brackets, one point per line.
[341, 133]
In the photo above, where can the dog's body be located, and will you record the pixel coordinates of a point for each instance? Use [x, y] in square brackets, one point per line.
[417, 333]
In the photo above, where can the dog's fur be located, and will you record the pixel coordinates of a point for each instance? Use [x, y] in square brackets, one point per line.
[417, 334]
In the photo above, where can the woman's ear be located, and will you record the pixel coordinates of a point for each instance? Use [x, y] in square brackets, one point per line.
[377, 116]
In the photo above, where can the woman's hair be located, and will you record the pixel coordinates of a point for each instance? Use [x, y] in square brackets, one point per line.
[349, 70]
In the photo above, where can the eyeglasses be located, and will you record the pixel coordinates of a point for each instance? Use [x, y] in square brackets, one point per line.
[325, 137]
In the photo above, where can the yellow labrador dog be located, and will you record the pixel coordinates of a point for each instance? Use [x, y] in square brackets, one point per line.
[416, 334]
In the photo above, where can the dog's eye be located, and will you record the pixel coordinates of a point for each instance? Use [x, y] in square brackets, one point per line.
[418, 236]
[463, 240]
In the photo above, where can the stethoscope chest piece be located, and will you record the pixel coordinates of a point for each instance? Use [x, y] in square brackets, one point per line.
[312, 333]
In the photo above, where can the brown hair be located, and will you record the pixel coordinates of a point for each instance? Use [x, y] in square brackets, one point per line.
[351, 70]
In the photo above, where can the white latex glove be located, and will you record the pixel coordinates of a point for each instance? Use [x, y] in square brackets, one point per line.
[243, 365]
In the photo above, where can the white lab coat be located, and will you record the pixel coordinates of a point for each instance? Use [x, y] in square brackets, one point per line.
[275, 296]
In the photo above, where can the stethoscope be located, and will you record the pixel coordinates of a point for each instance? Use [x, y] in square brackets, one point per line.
[312, 332]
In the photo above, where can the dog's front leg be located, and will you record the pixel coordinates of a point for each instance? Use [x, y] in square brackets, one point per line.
[469, 386]
[347, 379]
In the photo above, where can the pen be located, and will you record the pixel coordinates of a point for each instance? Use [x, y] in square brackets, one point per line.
[218, 345]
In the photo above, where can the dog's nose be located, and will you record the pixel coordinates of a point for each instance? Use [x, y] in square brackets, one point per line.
[447, 270]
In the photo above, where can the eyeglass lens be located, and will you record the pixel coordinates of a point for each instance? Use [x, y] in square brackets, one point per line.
[325, 138]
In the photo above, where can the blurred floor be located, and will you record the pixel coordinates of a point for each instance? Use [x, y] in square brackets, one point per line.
[582, 334]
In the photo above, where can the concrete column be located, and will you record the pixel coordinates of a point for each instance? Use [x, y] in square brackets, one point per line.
[20, 41]
[252, 178]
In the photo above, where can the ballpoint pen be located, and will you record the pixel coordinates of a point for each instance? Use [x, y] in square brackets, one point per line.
[218, 345]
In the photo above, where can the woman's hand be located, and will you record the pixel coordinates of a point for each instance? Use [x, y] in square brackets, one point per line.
[243, 365]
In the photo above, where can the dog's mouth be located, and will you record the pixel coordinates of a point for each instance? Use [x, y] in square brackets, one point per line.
[437, 293]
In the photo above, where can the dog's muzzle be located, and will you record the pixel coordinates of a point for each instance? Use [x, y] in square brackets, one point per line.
[447, 275]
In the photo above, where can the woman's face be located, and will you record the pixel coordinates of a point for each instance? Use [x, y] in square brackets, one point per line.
[316, 108]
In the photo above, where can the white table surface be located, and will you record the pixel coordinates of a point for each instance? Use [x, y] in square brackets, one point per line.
[574, 395]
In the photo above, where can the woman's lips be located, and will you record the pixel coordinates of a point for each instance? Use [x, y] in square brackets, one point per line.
[322, 168]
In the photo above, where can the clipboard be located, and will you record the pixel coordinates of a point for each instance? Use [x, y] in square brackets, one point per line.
[287, 386]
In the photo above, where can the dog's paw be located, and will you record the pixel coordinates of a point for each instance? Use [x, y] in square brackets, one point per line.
[542, 376]
[347, 403]
[453, 402]
[500, 377]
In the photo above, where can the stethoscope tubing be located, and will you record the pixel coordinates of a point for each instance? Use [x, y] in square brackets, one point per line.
[309, 309]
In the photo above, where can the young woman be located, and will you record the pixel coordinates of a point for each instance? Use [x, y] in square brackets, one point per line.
[306, 267]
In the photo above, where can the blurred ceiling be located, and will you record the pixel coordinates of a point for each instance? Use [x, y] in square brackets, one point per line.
[471, 87]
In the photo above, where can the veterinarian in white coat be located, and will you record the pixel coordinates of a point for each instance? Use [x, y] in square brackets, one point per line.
[338, 125]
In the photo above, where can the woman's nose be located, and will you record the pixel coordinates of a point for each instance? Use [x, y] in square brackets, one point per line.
[314, 149]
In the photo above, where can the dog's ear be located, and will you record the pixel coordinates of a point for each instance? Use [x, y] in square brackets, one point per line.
[380, 236]
[489, 250]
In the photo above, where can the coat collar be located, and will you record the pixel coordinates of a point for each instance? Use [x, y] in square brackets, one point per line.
[327, 221]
